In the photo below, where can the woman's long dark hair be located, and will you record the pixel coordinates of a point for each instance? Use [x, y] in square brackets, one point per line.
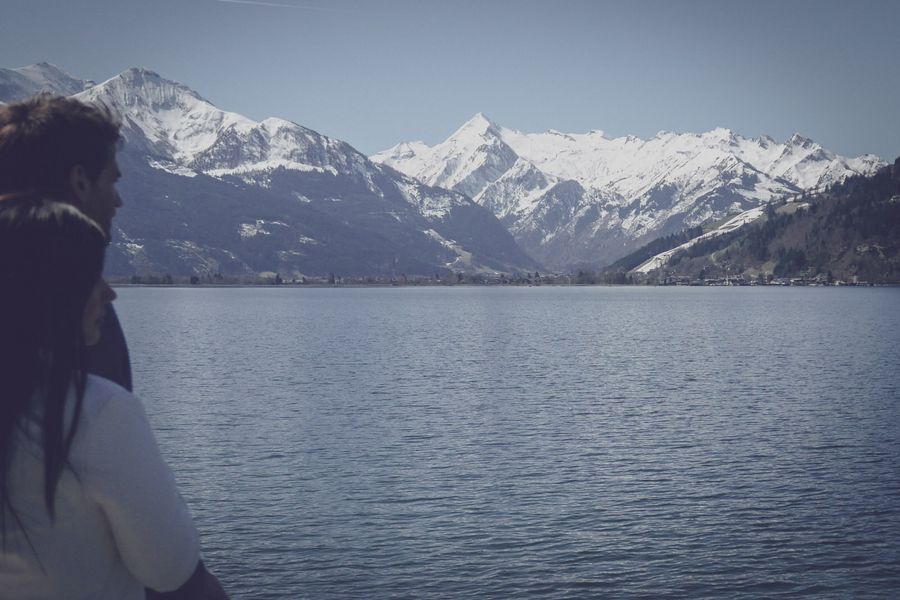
[51, 256]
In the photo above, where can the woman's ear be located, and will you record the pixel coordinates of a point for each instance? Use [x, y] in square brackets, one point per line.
[79, 184]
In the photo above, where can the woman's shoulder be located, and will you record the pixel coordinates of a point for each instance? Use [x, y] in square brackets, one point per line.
[102, 396]
[110, 416]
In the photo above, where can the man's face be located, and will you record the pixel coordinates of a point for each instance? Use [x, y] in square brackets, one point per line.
[99, 198]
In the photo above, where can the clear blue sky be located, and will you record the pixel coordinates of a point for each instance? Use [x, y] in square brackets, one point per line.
[377, 72]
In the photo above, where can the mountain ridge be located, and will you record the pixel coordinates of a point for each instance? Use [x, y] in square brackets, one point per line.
[849, 233]
[209, 191]
[570, 201]
[634, 189]
[22, 82]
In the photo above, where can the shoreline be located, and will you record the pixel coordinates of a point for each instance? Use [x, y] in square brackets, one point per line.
[477, 285]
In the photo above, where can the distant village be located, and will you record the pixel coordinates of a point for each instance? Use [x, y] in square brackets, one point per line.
[762, 279]
[496, 279]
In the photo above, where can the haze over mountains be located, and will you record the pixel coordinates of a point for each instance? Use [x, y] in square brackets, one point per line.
[208, 191]
[576, 200]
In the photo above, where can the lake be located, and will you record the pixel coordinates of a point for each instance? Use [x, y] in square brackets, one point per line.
[546, 442]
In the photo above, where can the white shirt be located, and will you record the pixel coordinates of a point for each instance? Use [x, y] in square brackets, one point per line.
[120, 523]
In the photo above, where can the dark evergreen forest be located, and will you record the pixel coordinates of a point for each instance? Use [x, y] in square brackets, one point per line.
[850, 232]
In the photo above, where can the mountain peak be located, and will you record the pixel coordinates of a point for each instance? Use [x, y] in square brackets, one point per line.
[143, 72]
[142, 86]
[480, 117]
[143, 77]
[799, 140]
[45, 77]
[162, 117]
[479, 125]
[405, 150]
[43, 67]
[723, 132]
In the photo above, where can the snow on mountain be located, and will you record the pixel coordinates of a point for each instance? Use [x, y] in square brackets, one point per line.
[474, 156]
[18, 84]
[516, 192]
[406, 153]
[185, 134]
[567, 199]
[207, 189]
[179, 128]
[732, 224]
[165, 119]
[633, 189]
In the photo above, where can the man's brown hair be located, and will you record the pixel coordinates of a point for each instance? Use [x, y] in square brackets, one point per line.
[43, 137]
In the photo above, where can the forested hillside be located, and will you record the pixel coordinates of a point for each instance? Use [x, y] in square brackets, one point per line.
[849, 233]
[658, 245]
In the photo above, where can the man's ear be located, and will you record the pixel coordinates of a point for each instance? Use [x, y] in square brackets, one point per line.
[79, 184]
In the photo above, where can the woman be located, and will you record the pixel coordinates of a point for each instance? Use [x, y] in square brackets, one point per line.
[89, 507]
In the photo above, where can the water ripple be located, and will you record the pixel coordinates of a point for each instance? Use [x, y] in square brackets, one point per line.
[543, 442]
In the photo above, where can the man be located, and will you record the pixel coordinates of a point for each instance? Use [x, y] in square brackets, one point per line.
[65, 149]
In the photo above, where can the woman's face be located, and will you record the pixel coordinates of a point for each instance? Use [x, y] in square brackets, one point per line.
[95, 310]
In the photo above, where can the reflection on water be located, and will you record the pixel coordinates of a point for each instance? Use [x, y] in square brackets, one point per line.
[531, 442]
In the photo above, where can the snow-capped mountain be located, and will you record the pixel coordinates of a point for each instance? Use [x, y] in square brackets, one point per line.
[18, 84]
[187, 134]
[586, 199]
[210, 191]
